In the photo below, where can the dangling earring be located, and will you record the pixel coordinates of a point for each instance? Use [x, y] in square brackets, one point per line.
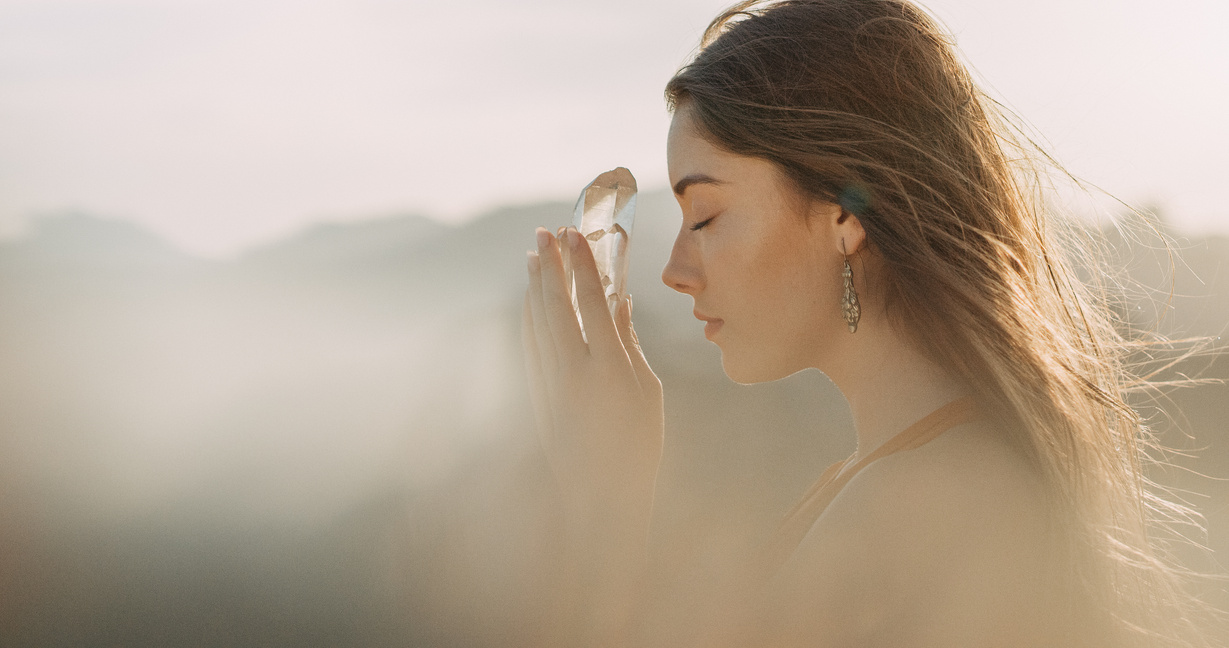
[849, 302]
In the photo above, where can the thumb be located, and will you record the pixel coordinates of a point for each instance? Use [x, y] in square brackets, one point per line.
[644, 373]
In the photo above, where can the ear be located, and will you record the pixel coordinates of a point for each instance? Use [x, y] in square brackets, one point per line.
[845, 230]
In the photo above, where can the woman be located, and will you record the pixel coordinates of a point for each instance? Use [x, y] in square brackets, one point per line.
[853, 203]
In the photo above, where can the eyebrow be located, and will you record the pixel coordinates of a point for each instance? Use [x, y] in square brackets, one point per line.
[693, 179]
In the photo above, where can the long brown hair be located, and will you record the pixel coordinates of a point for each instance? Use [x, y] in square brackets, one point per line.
[865, 103]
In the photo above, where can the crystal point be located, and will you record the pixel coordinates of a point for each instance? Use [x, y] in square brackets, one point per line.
[605, 214]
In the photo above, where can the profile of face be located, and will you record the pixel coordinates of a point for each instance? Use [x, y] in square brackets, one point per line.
[762, 265]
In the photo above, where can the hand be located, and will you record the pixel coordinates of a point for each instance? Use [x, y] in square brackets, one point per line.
[598, 404]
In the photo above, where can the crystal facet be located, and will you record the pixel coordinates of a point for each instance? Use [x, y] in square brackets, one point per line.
[605, 214]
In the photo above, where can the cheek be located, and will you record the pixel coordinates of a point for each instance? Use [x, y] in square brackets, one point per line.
[789, 280]
[781, 324]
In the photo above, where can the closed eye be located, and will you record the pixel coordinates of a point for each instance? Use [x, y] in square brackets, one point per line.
[701, 224]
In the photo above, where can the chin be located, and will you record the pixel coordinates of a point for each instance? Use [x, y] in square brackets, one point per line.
[749, 371]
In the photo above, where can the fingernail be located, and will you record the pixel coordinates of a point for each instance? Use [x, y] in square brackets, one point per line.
[573, 238]
[532, 260]
[543, 238]
[629, 304]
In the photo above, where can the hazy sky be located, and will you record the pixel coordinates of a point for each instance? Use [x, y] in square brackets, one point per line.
[221, 124]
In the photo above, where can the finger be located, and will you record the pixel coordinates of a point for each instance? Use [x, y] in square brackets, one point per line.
[541, 327]
[591, 297]
[644, 374]
[557, 302]
[533, 370]
[567, 271]
[566, 263]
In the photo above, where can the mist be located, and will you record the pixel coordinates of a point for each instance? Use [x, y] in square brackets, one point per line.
[327, 440]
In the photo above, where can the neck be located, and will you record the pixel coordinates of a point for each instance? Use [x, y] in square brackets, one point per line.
[888, 383]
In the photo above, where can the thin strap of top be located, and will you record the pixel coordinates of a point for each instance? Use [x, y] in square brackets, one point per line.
[802, 517]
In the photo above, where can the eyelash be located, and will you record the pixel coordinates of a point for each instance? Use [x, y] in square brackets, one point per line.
[701, 224]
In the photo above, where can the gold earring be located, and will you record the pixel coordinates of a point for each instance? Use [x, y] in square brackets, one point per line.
[849, 302]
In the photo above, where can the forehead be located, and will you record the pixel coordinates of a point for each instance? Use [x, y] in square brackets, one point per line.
[689, 153]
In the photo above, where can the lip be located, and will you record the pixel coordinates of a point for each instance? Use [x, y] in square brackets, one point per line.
[712, 324]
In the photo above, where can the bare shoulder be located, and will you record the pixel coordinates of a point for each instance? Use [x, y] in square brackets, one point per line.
[946, 544]
[968, 480]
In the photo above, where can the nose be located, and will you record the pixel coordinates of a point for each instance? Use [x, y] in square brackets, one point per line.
[683, 271]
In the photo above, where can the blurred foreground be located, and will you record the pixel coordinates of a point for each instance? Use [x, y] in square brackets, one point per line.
[327, 441]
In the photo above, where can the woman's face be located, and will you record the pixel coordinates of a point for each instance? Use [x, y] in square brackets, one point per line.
[764, 272]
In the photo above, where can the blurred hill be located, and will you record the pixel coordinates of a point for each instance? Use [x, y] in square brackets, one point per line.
[326, 441]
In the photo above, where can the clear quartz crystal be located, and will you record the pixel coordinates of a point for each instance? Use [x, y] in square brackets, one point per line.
[605, 214]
